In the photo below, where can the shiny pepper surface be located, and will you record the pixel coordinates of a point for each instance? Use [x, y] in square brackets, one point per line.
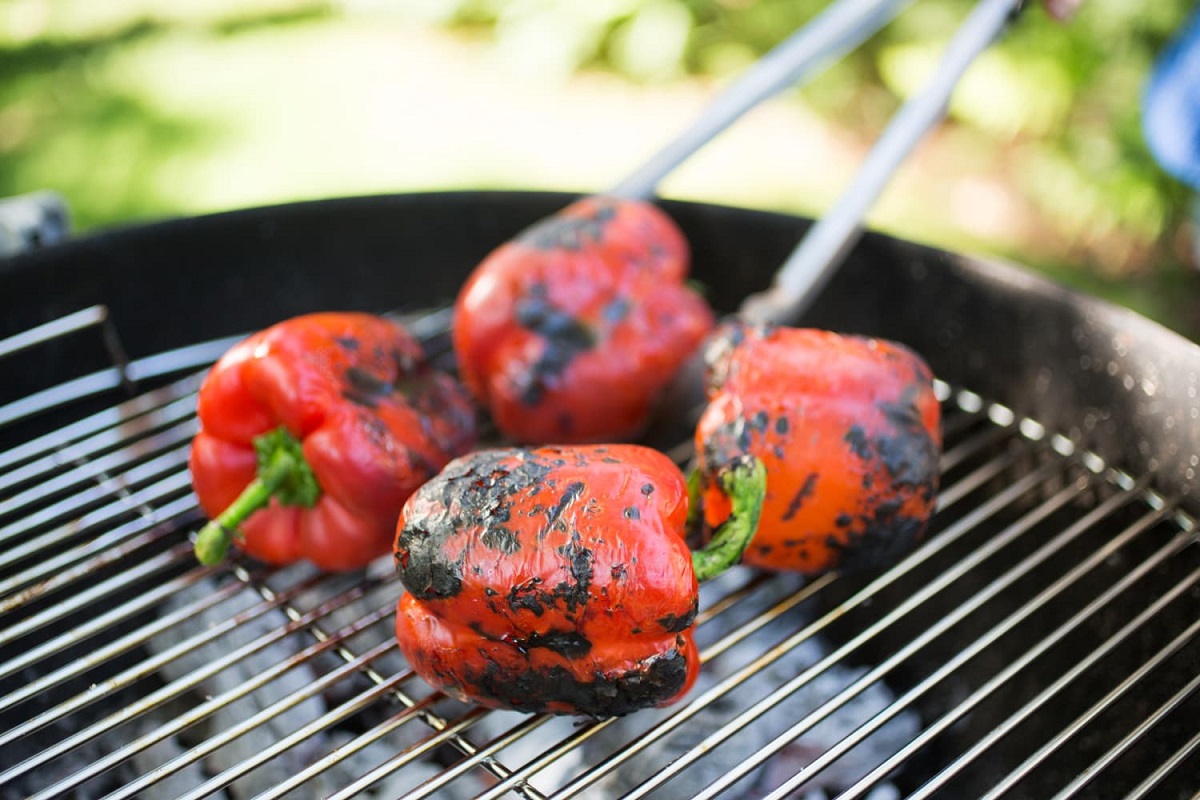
[570, 332]
[849, 430]
[557, 579]
[313, 434]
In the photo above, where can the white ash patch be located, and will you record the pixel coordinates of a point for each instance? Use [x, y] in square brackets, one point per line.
[288, 700]
[720, 759]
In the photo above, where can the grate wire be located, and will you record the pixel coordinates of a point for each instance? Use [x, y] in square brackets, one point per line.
[91, 517]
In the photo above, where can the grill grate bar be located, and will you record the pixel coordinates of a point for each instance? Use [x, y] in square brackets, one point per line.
[106, 380]
[1177, 758]
[98, 470]
[54, 329]
[447, 776]
[74, 508]
[955, 419]
[139, 501]
[1012, 493]
[960, 452]
[737, 635]
[428, 745]
[956, 492]
[1030, 655]
[1174, 646]
[100, 431]
[715, 606]
[89, 596]
[582, 734]
[228, 735]
[589, 729]
[177, 725]
[144, 668]
[98, 624]
[761, 620]
[157, 698]
[359, 742]
[1180, 755]
[110, 548]
[431, 719]
[1121, 747]
[815, 717]
[134, 458]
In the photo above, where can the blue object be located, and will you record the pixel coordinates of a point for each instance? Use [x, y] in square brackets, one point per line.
[1171, 106]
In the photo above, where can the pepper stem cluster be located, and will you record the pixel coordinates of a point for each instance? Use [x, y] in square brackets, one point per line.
[744, 481]
[282, 473]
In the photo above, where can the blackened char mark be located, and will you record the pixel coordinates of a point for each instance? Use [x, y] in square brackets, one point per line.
[501, 539]
[572, 493]
[728, 442]
[616, 310]
[527, 596]
[575, 593]
[911, 455]
[860, 443]
[568, 644]
[881, 541]
[416, 384]
[473, 493]
[678, 623]
[364, 388]
[654, 681]
[391, 449]
[803, 493]
[719, 352]
[423, 568]
[565, 336]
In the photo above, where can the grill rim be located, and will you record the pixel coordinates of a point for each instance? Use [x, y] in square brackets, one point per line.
[1104, 357]
[1000, 415]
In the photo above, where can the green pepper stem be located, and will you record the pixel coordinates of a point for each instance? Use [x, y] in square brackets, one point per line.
[213, 540]
[282, 473]
[745, 482]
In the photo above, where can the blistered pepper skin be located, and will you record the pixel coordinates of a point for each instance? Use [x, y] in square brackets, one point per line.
[570, 332]
[552, 580]
[848, 428]
[372, 418]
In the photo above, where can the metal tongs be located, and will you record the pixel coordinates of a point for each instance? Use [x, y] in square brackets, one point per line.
[842, 26]
[813, 262]
[807, 269]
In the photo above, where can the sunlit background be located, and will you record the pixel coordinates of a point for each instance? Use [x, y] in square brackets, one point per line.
[144, 109]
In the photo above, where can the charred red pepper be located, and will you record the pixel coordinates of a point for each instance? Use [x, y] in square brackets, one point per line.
[558, 580]
[849, 430]
[314, 432]
[570, 332]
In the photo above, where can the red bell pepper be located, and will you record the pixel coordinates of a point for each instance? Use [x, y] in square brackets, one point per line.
[558, 580]
[314, 432]
[848, 428]
[571, 331]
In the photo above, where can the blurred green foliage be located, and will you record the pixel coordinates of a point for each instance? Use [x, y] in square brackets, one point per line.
[1060, 101]
[1055, 108]
[98, 100]
[70, 120]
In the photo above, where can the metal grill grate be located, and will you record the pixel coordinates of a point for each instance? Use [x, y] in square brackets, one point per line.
[1051, 611]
